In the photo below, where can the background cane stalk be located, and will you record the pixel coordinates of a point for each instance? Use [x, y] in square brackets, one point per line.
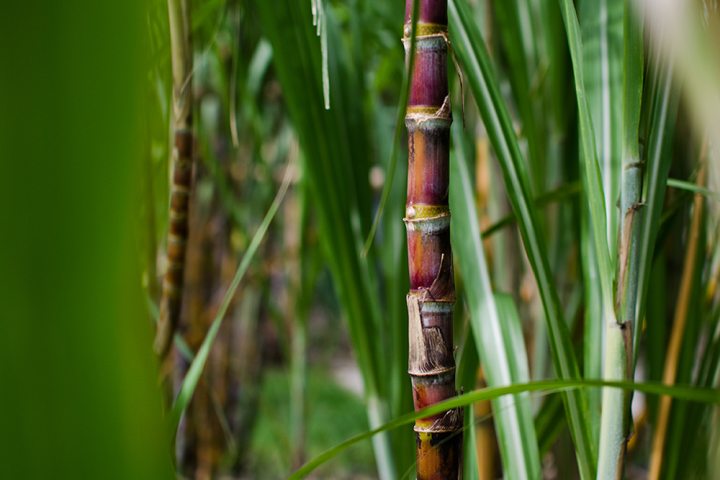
[432, 287]
[182, 61]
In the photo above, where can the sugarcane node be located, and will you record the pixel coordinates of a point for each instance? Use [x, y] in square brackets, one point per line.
[410, 212]
[424, 29]
[421, 41]
[452, 421]
[418, 213]
[429, 122]
[429, 353]
[429, 117]
[428, 224]
[639, 164]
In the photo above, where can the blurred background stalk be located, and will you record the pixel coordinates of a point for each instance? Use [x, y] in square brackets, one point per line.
[181, 174]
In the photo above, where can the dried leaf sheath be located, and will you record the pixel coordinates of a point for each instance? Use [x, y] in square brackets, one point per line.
[181, 46]
[432, 290]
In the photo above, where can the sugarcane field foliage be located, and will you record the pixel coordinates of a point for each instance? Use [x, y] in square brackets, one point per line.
[357, 239]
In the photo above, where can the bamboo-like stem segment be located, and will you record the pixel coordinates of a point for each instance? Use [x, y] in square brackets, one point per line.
[615, 422]
[678, 329]
[432, 288]
[181, 51]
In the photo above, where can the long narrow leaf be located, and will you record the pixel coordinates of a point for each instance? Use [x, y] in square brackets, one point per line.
[705, 395]
[596, 197]
[692, 187]
[602, 52]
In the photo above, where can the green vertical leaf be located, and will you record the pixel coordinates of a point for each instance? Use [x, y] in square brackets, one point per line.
[602, 59]
[596, 197]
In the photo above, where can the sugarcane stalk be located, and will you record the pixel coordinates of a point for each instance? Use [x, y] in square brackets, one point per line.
[615, 422]
[181, 52]
[427, 218]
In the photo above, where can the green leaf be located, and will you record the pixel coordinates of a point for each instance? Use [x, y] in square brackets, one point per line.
[593, 320]
[549, 422]
[602, 63]
[467, 370]
[562, 193]
[705, 395]
[693, 187]
[495, 325]
[483, 84]
[594, 182]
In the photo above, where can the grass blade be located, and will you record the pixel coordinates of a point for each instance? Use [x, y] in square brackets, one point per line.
[467, 371]
[558, 195]
[594, 180]
[518, 43]
[602, 55]
[704, 395]
[693, 187]
[79, 380]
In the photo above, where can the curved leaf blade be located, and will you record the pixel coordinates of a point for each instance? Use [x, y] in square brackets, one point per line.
[704, 395]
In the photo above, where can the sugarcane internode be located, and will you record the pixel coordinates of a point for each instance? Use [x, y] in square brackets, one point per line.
[432, 288]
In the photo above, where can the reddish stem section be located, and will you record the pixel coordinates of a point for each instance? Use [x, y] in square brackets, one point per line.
[429, 83]
[432, 295]
[428, 166]
[425, 252]
[432, 12]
